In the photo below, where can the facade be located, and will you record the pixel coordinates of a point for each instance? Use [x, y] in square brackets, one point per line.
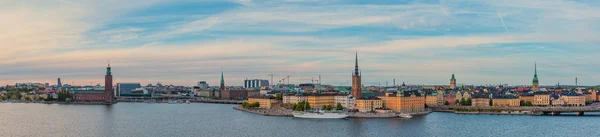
[431, 100]
[207, 93]
[590, 96]
[95, 96]
[506, 102]
[535, 84]
[480, 101]
[265, 102]
[453, 82]
[526, 98]
[368, 105]
[558, 102]
[356, 81]
[129, 89]
[403, 102]
[108, 86]
[573, 99]
[234, 94]
[347, 101]
[294, 99]
[318, 101]
[256, 83]
[541, 99]
[463, 94]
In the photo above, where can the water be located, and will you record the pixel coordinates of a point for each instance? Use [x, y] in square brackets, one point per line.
[220, 120]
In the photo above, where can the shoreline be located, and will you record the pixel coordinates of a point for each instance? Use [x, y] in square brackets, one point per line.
[288, 113]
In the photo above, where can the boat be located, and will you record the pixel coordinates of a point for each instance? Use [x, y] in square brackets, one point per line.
[187, 101]
[404, 115]
[320, 114]
[172, 101]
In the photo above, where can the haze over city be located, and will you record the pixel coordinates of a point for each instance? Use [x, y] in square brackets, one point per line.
[417, 42]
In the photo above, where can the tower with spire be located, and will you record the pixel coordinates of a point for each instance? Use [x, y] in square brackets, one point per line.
[108, 86]
[222, 81]
[535, 84]
[452, 82]
[356, 80]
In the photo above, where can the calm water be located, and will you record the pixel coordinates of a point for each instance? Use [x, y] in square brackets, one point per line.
[139, 119]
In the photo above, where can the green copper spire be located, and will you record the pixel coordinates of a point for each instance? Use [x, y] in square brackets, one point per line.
[453, 77]
[108, 70]
[222, 78]
[535, 77]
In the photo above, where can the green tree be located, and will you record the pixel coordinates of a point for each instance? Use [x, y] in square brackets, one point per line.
[469, 102]
[463, 102]
[27, 98]
[457, 101]
[528, 103]
[63, 95]
[446, 103]
[300, 106]
[245, 105]
[339, 106]
[279, 96]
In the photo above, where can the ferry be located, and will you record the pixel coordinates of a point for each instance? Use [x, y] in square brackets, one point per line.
[404, 115]
[319, 115]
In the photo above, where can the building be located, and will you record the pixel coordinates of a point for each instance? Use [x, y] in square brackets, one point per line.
[264, 102]
[59, 84]
[463, 95]
[541, 99]
[573, 99]
[535, 85]
[318, 101]
[203, 85]
[208, 93]
[590, 96]
[347, 101]
[234, 94]
[97, 96]
[527, 98]
[452, 82]
[431, 99]
[256, 83]
[130, 89]
[294, 99]
[409, 101]
[253, 93]
[356, 80]
[506, 101]
[558, 102]
[368, 105]
[480, 101]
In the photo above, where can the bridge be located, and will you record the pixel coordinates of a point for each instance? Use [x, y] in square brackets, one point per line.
[191, 99]
[534, 110]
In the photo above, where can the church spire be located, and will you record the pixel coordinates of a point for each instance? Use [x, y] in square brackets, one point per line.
[222, 80]
[535, 76]
[356, 71]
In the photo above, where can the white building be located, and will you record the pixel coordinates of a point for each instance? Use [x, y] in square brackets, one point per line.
[347, 101]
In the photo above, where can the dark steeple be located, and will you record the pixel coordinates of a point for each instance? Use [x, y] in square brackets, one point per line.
[356, 71]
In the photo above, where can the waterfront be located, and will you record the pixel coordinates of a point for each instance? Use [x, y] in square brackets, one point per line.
[199, 119]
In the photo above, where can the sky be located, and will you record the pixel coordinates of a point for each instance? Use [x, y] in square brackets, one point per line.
[413, 41]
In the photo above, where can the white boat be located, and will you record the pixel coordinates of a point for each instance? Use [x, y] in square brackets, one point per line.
[404, 115]
[187, 101]
[319, 114]
[173, 102]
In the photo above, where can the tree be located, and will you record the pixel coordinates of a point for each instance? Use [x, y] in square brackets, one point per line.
[446, 103]
[528, 103]
[245, 105]
[26, 98]
[63, 95]
[339, 107]
[457, 101]
[463, 102]
[279, 96]
[300, 106]
[469, 102]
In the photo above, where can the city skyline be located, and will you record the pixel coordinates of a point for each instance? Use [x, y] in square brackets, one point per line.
[183, 42]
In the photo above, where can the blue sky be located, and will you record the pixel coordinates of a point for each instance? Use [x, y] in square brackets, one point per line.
[417, 42]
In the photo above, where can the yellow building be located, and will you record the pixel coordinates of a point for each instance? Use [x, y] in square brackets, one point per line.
[368, 105]
[506, 102]
[404, 102]
[318, 101]
[293, 99]
[265, 102]
[572, 99]
[590, 96]
[431, 100]
[541, 99]
[526, 98]
[480, 101]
